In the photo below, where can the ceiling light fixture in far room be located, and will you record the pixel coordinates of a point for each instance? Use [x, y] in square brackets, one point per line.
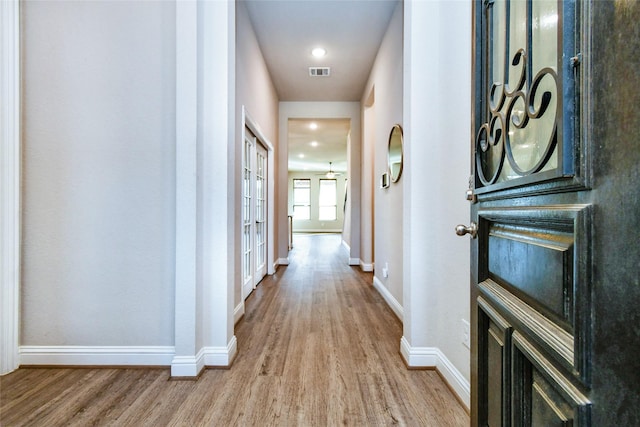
[318, 52]
[330, 174]
[314, 143]
[313, 126]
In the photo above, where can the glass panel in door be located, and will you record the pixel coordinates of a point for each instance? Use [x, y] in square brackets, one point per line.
[261, 214]
[521, 131]
[247, 219]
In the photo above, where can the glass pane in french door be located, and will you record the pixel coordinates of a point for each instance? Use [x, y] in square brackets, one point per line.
[261, 201]
[246, 211]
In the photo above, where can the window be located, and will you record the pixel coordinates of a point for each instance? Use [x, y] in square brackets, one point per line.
[327, 200]
[301, 198]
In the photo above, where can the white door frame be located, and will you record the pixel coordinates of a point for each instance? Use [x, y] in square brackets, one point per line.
[10, 184]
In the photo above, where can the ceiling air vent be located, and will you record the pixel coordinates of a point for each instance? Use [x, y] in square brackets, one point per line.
[319, 71]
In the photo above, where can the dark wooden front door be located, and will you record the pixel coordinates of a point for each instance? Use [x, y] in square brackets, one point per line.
[556, 217]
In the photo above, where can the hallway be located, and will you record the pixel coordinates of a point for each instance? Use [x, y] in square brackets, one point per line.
[317, 346]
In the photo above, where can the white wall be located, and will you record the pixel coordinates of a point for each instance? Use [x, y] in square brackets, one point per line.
[313, 224]
[437, 166]
[99, 173]
[320, 110]
[386, 82]
[254, 91]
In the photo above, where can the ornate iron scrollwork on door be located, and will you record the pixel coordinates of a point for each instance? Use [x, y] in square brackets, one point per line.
[521, 125]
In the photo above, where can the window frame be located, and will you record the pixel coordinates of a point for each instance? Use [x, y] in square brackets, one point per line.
[295, 204]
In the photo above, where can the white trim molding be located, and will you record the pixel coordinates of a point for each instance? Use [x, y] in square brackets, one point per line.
[368, 267]
[432, 357]
[352, 261]
[220, 356]
[317, 231]
[97, 355]
[187, 366]
[9, 184]
[282, 261]
[214, 357]
[391, 301]
[238, 312]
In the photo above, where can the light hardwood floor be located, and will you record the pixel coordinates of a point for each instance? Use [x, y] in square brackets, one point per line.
[318, 346]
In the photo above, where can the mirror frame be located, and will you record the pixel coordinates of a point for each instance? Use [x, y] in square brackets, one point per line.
[395, 130]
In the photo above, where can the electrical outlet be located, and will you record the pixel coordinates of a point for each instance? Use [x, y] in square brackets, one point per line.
[466, 335]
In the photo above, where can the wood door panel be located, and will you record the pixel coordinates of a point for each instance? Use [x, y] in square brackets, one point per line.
[547, 408]
[542, 395]
[495, 361]
[536, 262]
[536, 271]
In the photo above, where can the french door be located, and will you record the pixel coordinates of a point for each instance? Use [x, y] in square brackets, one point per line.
[254, 213]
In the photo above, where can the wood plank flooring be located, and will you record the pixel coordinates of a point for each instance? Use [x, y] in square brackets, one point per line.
[318, 346]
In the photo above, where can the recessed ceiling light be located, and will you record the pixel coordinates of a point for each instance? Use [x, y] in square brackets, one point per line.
[314, 143]
[313, 126]
[318, 52]
[301, 156]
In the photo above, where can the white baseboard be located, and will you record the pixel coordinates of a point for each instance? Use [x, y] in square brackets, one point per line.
[187, 366]
[181, 366]
[220, 356]
[317, 230]
[97, 355]
[282, 261]
[352, 261]
[190, 366]
[365, 266]
[432, 357]
[391, 301]
[238, 312]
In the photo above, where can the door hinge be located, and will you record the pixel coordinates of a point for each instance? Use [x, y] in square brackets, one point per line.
[470, 193]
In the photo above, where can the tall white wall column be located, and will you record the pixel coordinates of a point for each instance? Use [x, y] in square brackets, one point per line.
[205, 253]
[217, 192]
[187, 344]
[9, 184]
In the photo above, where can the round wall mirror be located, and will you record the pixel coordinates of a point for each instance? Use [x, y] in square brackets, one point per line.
[394, 154]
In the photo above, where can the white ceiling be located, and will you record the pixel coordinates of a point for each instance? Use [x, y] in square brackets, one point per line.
[351, 32]
[330, 139]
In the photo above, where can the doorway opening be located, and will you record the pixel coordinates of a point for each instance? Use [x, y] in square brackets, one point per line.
[317, 174]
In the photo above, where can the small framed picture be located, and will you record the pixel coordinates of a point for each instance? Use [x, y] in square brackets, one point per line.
[384, 180]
